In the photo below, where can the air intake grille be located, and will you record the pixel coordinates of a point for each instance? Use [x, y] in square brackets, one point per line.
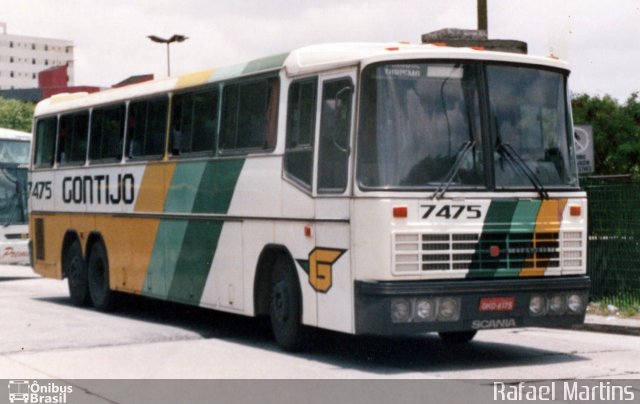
[500, 251]
[39, 238]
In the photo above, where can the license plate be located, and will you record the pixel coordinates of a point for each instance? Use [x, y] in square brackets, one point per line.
[497, 303]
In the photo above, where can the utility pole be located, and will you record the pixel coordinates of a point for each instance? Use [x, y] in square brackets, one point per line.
[483, 20]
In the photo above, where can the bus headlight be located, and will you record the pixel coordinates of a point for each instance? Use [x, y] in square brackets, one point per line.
[449, 309]
[576, 303]
[557, 304]
[425, 310]
[400, 310]
[538, 305]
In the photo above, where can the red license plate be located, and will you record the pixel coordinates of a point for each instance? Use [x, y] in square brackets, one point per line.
[497, 303]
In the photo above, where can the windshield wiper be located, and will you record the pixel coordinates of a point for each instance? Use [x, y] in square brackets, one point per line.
[448, 179]
[518, 164]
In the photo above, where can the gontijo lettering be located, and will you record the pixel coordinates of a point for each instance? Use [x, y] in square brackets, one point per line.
[99, 189]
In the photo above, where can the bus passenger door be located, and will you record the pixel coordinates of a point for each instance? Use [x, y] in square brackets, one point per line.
[329, 263]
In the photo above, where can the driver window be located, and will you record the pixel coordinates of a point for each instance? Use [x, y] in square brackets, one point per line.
[335, 127]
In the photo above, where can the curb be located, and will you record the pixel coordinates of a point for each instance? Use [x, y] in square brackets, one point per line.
[610, 325]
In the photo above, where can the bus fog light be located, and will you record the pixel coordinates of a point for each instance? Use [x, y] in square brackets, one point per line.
[557, 304]
[538, 305]
[400, 310]
[425, 310]
[576, 303]
[449, 309]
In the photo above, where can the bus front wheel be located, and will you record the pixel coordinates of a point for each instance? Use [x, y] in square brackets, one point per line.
[285, 306]
[75, 269]
[457, 337]
[101, 295]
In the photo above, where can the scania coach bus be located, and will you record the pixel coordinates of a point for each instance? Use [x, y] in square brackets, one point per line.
[367, 188]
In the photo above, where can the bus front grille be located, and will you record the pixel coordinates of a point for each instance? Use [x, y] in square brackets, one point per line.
[509, 253]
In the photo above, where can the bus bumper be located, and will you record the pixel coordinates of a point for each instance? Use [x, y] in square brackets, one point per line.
[415, 307]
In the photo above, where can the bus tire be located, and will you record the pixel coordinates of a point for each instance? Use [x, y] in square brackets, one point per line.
[101, 296]
[457, 337]
[75, 269]
[285, 306]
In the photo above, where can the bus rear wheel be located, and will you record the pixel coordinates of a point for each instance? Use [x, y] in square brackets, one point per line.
[101, 296]
[75, 269]
[457, 337]
[285, 306]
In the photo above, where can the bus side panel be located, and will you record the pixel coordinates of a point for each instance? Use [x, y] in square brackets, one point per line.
[224, 285]
[45, 229]
[129, 243]
[52, 227]
[335, 283]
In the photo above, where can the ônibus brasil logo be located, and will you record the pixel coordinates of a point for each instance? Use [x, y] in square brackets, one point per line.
[25, 391]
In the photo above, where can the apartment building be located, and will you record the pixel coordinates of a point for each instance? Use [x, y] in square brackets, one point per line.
[23, 57]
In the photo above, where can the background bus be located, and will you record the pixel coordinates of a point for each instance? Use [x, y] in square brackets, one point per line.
[386, 189]
[14, 166]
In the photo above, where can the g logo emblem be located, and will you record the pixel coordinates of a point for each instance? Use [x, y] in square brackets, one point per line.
[321, 262]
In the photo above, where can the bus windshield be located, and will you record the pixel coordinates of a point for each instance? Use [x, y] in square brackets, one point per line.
[14, 155]
[14, 151]
[421, 127]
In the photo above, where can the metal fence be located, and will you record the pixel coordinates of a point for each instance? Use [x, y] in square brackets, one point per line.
[613, 260]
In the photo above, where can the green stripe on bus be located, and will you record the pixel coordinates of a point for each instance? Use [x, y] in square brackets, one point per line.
[193, 265]
[523, 225]
[184, 249]
[217, 185]
[183, 189]
[497, 225]
[269, 62]
[164, 257]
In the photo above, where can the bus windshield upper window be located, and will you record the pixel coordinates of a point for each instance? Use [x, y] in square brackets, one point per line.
[529, 116]
[421, 127]
[415, 121]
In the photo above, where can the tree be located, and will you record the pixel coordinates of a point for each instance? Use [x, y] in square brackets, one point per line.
[616, 131]
[16, 115]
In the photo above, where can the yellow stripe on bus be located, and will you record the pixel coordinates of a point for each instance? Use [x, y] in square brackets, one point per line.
[194, 79]
[154, 188]
[548, 220]
[129, 243]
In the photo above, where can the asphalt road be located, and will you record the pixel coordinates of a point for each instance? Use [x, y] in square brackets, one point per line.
[44, 336]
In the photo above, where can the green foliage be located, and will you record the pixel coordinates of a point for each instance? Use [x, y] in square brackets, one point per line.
[16, 115]
[616, 132]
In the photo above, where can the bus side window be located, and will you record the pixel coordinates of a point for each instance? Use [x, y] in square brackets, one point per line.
[249, 115]
[146, 128]
[72, 138]
[107, 132]
[45, 142]
[205, 120]
[335, 127]
[193, 122]
[301, 114]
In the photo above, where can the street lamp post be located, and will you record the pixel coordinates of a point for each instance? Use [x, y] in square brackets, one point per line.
[174, 38]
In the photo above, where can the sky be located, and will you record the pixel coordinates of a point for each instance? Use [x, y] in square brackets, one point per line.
[599, 38]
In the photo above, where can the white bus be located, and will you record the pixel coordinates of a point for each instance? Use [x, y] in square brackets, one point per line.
[387, 189]
[14, 168]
